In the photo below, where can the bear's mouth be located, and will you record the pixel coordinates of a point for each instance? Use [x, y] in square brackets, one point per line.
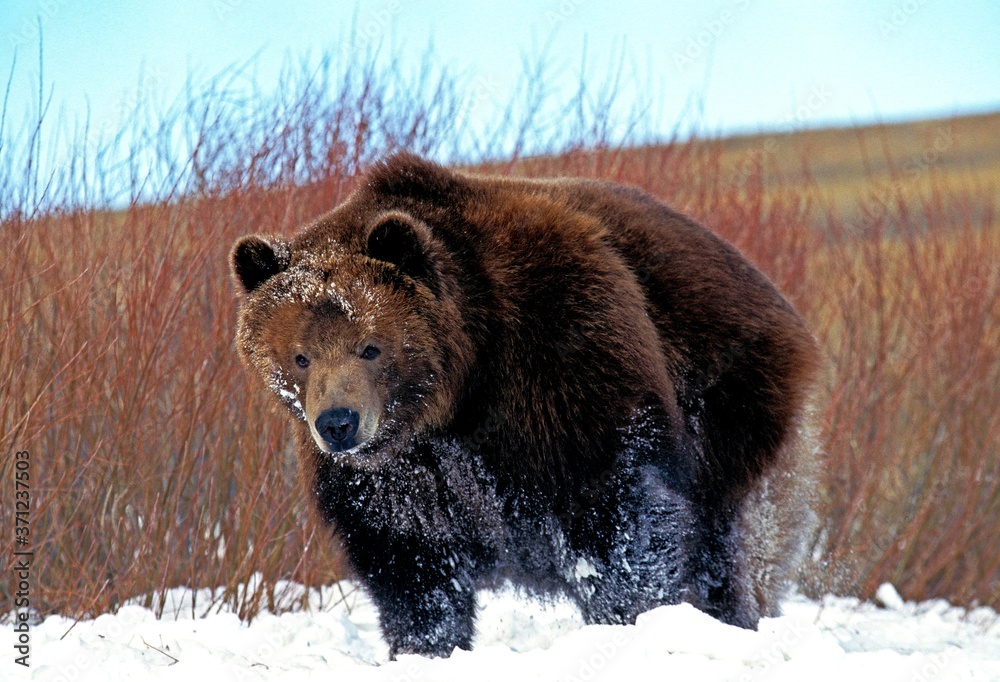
[367, 456]
[343, 446]
[347, 446]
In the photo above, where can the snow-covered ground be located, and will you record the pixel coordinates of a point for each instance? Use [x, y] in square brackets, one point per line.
[521, 640]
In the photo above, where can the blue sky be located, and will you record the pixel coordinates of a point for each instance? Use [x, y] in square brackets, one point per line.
[730, 65]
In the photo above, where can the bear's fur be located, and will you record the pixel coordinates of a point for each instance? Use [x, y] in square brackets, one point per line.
[563, 383]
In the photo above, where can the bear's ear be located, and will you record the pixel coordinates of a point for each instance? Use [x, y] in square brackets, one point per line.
[256, 259]
[405, 242]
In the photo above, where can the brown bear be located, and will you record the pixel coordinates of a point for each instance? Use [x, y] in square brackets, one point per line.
[560, 383]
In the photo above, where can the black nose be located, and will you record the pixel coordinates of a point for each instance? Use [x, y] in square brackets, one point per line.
[338, 428]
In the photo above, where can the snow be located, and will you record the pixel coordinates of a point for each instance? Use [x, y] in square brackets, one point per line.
[520, 639]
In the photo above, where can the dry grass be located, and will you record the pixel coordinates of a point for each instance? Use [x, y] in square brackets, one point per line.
[155, 463]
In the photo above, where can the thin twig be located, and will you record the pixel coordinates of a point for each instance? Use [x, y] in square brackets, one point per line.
[154, 648]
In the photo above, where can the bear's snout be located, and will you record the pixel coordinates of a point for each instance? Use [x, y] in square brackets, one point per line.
[338, 427]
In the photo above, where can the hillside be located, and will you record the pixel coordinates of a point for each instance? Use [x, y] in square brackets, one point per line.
[846, 164]
[837, 170]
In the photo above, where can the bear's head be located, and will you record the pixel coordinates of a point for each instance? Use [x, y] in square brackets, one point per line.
[360, 337]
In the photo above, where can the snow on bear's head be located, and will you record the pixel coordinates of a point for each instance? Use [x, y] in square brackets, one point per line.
[350, 339]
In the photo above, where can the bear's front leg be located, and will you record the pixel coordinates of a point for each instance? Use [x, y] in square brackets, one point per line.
[425, 596]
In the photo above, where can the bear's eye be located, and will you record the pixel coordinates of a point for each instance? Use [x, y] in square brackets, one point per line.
[370, 353]
[302, 361]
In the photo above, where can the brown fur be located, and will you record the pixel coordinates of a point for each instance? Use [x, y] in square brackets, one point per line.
[553, 312]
